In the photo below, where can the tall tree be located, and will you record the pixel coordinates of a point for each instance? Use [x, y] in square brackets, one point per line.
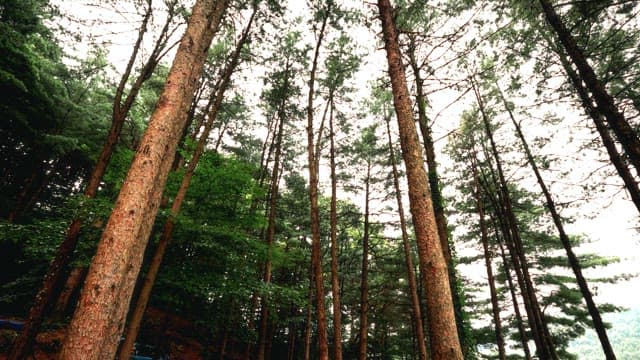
[406, 247]
[111, 278]
[132, 329]
[313, 165]
[564, 238]
[121, 106]
[442, 325]
[605, 102]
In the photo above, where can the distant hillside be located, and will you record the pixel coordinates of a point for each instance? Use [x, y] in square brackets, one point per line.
[624, 336]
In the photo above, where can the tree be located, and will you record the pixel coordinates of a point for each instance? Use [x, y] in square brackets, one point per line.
[442, 325]
[121, 108]
[111, 277]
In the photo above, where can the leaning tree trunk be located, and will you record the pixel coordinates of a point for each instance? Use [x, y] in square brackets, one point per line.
[54, 275]
[131, 332]
[605, 103]
[544, 344]
[566, 243]
[442, 324]
[618, 161]
[484, 237]
[411, 276]
[98, 321]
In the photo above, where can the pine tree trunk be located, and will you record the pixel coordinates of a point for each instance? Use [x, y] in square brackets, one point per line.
[618, 161]
[364, 274]
[566, 243]
[65, 250]
[71, 287]
[495, 306]
[524, 340]
[411, 276]
[544, 343]
[335, 281]
[131, 332]
[100, 316]
[271, 220]
[313, 157]
[442, 324]
[605, 103]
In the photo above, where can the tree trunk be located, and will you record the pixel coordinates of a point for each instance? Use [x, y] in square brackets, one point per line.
[271, 219]
[544, 344]
[524, 340]
[411, 276]
[364, 274]
[131, 332]
[54, 275]
[484, 237]
[618, 161]
[335, 281]
[99, 318]
[313, 156]
[71, 287]
[442, 324]
[598, 324]
[605, 103]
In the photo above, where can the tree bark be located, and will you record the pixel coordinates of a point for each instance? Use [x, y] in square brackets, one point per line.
[131, 332]
[364, 274]
[598, 324]
[335, 280]
[313, 157]
[618, 161]
[442, 324]
[605, 103]
[411, 276]
[544, 344]
[47, 292]
[484, 239]
[98, 321]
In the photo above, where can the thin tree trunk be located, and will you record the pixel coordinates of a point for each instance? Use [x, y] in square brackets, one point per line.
[524, 340]
[364, 274]
[495, 306]
[335, 281]
[307, 329]
[98, 321]
[544, 344]
[271, 219]
[566, 243]
[618, 161]
[444, 334]
[137, 314]
[313, 157]
[411, 276]
[605, 103]
[71, 287]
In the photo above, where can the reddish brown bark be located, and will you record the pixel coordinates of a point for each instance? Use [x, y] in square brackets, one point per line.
[313, 156]
[133, 328]
[411, 276]
[442, 324]
[120, 109]
[364, 274]
[98, 321]
[335, 280]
